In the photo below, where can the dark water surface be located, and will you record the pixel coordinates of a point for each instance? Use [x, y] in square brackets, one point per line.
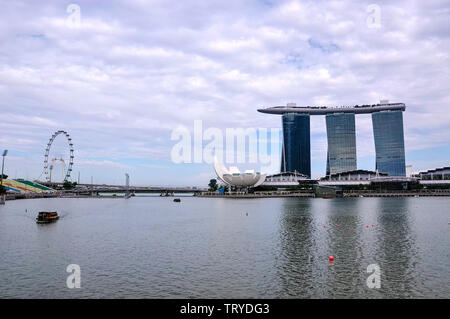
[151, 247]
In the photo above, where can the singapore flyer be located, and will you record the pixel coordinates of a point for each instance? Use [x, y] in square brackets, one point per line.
[63, 157]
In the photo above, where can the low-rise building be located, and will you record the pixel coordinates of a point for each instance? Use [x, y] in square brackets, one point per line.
[285, 179]
[442, 173]
[355, 175]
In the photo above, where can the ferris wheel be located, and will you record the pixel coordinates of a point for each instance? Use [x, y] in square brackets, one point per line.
[48, 164]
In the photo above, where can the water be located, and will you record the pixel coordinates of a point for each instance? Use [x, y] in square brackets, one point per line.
[152, 247]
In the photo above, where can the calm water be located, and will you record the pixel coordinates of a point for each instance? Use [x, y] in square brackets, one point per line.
[151, 247]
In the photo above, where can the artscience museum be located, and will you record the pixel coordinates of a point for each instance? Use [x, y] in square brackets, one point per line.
[233, 177]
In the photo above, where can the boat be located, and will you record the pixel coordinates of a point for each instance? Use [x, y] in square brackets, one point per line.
[46, 217]
[177, 200]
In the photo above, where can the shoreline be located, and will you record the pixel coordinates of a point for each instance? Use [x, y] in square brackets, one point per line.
[314, 196]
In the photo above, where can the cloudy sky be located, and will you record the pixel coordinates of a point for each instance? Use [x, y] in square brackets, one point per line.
[119, 76]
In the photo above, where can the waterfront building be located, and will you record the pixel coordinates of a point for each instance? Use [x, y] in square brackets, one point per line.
[381, 181]
[389, 142]
[341, 155]
[233, 177]
[285, 179]
[354, 175]
[387, 120]
[296, 149]
[436, 174]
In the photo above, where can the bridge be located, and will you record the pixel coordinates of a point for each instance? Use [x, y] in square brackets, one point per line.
[104, 188]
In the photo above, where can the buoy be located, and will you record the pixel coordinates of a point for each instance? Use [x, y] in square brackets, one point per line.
[373, 225]
[246, 214]
[324, 226]
[339, 226]
[331, 258]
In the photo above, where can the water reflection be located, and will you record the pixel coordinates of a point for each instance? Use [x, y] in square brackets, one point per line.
[343, 277]
[297, 237]
[357, 232]
[396, 248]
[311, 231]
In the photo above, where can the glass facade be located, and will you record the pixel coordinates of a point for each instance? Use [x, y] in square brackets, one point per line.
[296, 151]
[389, 142]
[341, 155]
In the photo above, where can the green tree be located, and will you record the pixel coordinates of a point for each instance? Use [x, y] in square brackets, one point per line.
[213, 185]
[69, 185]
[4, 176]
[2, 189]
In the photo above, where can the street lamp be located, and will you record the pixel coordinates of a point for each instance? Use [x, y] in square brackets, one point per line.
[5, 152]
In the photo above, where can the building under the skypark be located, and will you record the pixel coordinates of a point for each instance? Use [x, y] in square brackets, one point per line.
[341, 154]
[387, 120]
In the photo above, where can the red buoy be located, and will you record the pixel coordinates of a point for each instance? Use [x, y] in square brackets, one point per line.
[373, 225]
[246, 214]
[339, 226]
[324, 226]
[367, 226]
[331, 258]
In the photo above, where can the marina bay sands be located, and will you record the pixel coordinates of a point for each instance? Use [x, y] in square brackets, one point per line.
[387, 121]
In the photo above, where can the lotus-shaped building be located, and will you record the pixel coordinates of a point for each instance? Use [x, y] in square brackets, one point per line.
[233, 177]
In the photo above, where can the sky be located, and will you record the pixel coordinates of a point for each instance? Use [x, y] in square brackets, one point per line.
[120, 76]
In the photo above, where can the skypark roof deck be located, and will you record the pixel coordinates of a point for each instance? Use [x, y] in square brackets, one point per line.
[323, 110]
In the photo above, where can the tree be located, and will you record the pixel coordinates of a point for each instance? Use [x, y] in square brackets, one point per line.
[213, 185]
[69, 185]
[4, 176]
[2, 189]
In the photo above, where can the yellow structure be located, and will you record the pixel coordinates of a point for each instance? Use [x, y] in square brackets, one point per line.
[24, 186]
